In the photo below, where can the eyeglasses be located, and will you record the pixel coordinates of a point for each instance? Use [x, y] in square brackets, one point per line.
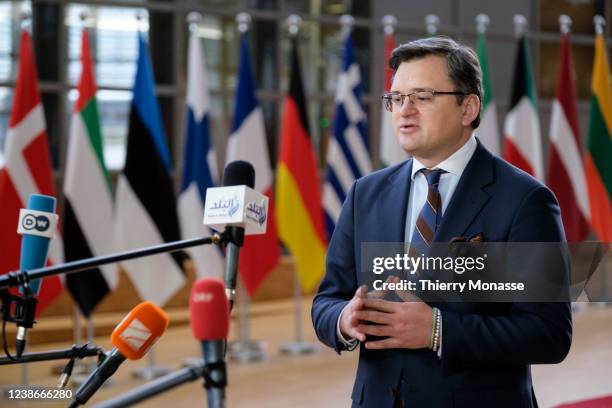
[418, 98]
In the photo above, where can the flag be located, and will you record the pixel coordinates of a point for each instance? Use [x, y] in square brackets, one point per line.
[88, 207]
[298, 195]
[488, 131]
[565, 169]
[247, 141]
[522, 145]
[598, 165]
[27, 170]
[348, 154]
[145, 203]
[199, 164]
[390, 151]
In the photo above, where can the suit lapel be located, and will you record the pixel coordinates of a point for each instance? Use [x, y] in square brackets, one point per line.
[391, 205]
[469, 197]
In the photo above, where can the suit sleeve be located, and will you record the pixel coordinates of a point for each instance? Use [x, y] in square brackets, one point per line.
[532, 333]
[340, 282]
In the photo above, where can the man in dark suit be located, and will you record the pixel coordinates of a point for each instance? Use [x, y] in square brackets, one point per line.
[451, 187]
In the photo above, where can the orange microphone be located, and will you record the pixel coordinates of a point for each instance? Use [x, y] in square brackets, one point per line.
[131, 339]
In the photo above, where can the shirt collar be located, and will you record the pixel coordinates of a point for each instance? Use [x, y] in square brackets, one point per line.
[455, 163]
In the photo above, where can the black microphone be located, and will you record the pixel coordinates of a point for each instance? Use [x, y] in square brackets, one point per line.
[236, 173]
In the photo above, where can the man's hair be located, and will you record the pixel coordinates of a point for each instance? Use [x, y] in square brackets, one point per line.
[463, 66]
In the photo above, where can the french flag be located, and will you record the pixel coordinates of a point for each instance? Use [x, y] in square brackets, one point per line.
[247, 141]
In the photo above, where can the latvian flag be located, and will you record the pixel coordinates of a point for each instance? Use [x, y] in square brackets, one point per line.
[88, 207]
[27, 170]
[199, 164]
[145, 202]
[566, 172]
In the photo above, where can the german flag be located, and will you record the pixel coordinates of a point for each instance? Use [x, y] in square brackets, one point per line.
[298, 194]
[598, 167]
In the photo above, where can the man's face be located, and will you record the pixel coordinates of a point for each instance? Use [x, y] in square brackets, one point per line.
[430, 131]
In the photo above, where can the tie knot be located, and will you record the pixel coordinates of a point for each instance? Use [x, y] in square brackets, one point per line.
[432, 176]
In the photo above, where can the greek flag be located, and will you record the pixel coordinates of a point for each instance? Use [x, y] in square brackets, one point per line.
[348, 153]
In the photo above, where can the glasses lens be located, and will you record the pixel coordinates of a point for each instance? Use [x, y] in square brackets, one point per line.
[423, 97]
[397, 99]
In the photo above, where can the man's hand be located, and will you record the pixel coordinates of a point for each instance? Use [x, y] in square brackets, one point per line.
[405, 324]
[349, 323]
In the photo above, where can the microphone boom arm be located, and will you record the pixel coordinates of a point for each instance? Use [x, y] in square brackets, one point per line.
[17, 278]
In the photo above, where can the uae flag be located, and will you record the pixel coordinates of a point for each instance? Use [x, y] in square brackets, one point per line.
[598, 159]
[145, 202]
[390, 151]
[522, 145]
[199, 164]
[299, 212]
[88, 207]
[247, 141]
[27, 170]
[488, 131]
[565, 169]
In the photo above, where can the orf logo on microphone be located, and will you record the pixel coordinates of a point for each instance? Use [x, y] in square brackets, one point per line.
[203, 297]
[39, 223]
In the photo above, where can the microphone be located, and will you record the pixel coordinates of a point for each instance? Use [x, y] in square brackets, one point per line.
[131, 339]
[210, 324]
[37, 224]
[225, 207]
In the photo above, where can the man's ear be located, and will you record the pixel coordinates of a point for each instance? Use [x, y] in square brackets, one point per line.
[471, 109]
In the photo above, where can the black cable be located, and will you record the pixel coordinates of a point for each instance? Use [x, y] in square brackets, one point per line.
[5, 343]
[6, 298]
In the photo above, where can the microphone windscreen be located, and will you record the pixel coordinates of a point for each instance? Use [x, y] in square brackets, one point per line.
[209, 309]
[139, 330]
[238, 173]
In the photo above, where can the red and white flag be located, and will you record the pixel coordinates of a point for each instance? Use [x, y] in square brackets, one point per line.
[27, 170]
[522, 143]
[565, 168]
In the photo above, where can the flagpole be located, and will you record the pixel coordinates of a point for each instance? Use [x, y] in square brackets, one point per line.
[26, 25]
[244, 350]
[298, 346]
[599, 22]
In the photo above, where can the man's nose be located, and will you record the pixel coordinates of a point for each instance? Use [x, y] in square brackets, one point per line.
[408, 107]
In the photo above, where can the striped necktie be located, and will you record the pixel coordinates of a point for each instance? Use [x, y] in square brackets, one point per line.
[429, 218]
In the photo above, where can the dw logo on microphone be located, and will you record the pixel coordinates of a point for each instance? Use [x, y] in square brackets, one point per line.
[33, 222]
[40, 223]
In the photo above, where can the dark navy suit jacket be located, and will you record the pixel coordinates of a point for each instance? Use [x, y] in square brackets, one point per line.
[487, 348]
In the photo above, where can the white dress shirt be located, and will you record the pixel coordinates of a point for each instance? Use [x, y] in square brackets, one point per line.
[454, 166]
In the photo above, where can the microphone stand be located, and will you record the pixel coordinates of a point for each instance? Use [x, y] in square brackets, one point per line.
[22, 278]
[165, 383]
[64, 354]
